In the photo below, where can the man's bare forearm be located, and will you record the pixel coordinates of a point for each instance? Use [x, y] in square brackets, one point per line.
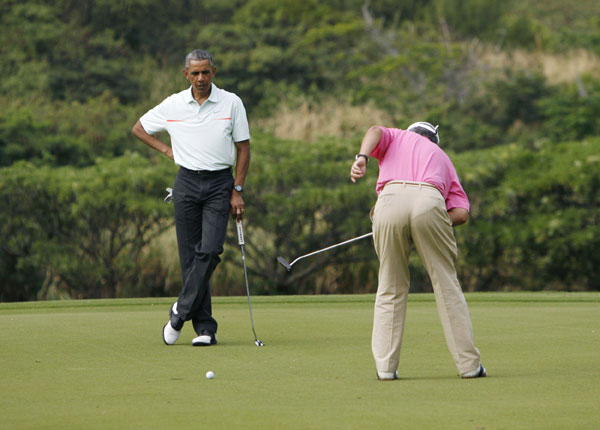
[243, 161]
[153, 142]
[370, 140]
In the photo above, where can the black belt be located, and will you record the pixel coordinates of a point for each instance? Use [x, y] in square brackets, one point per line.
[206, 172]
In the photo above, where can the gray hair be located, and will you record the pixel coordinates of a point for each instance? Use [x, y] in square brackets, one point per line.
[198, 55]
[426, 129]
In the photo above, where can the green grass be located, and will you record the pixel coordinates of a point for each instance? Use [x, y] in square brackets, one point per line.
[101, 364]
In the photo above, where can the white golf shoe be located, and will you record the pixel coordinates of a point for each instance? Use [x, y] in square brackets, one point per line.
[170, 335]
[387, 376]
[480, 372]
[206, 338]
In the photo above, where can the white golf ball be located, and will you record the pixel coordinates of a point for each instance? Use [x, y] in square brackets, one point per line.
[210, 374]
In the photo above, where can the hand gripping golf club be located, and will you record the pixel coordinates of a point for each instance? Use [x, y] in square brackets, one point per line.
[240, 233]
[288, 266]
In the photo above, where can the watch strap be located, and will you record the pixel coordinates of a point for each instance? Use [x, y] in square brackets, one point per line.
[357, 156]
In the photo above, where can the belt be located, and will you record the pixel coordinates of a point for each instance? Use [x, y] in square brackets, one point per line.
[419, 184]
[206, 172]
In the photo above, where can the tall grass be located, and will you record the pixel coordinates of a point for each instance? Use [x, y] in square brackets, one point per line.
[557, 68]
[308, 121]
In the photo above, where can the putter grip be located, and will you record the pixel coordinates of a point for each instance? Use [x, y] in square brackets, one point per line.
[240, 232]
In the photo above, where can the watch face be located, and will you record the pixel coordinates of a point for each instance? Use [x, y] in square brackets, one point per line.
[238, 188]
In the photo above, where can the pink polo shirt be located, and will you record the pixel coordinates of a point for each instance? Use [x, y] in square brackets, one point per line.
[407, 156]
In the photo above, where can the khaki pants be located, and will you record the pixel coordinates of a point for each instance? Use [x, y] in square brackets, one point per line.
[415, 214]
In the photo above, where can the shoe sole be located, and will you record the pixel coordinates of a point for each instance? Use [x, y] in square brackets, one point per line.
[395, 378]
[211, 342]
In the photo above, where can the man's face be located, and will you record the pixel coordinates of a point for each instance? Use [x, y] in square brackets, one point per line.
[199, 74]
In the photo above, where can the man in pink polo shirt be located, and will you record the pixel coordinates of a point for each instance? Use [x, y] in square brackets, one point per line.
[419, 200]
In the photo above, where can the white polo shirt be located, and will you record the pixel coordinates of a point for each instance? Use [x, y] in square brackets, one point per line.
[202, 136]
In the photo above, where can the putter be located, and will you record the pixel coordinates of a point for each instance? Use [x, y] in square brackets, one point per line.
[288, 266]
[240, 233]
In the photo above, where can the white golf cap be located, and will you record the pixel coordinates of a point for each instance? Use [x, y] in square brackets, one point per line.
[426, 129]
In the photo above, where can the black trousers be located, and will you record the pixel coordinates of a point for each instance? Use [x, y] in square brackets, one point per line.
[202, 204]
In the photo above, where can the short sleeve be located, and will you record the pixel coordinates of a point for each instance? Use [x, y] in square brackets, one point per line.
[241, 129]
[155, 120]
[457, 197]
[384, 143]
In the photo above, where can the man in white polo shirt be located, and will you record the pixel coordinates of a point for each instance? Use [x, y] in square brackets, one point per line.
[209, 130]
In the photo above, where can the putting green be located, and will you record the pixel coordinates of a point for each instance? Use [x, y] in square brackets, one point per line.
[101, 364]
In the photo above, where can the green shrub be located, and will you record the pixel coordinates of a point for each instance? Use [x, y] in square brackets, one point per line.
[535, 214]
[81, 231]
[299, 199]
[572, 112]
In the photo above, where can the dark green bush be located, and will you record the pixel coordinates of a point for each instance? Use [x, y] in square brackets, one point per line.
[81, 231]
[572, 112]
[535, 214]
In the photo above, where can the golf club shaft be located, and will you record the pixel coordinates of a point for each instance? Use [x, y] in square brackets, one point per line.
[240, 231]
[333, 246]
[248, 292]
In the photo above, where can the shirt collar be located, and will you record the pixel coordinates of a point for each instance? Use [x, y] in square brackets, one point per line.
[215, 94]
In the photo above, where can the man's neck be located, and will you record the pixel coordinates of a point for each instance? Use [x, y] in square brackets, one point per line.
[201, 98]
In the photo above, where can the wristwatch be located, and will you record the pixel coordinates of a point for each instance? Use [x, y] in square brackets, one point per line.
[238, 188]
[357, 156]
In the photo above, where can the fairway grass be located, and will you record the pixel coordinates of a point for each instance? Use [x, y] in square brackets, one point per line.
[101, 364]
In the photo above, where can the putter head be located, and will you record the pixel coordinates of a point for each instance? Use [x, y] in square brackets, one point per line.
[258, 343]
[284, 263]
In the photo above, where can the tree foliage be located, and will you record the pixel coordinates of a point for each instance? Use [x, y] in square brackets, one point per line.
[82, 199]
[534, 217]
[300, 199]
[78, 232]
